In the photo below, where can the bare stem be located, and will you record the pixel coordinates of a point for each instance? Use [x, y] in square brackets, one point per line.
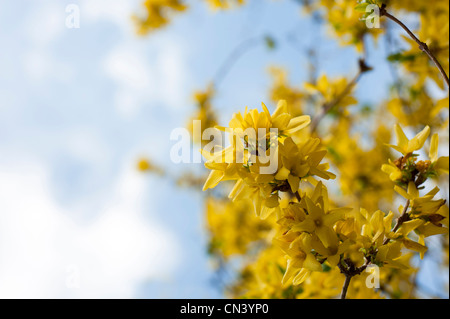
[345, 287]
[350, 270]
[422, 45]
[327, 107]
[403, 217]
[234, 56]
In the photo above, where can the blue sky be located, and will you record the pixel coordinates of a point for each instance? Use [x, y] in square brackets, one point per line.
[78, 107]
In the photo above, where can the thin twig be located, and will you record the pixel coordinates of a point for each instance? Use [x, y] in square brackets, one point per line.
[327, 107]
[234, 56]
[422, 45]
[403, 217]
[349, 269]
[345, 287]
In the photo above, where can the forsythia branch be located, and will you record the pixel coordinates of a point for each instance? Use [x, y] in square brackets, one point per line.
[403, 217]
[327, 107]
[422, 45]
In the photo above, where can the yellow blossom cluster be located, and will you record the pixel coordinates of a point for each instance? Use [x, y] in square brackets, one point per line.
[204, 113]
[306, 193]
[244, 160]
[158, 14]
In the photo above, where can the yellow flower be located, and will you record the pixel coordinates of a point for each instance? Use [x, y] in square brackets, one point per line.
[332, 90]
[300, 260]
[394, 172]
[281, 120]
[320, 223]
[158, 14]
[145, 165]
[438, 163]
[242, 160]
[223, 4]
[406, 146]
[424, 205]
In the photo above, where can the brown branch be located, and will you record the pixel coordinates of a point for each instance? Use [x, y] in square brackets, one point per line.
[422, 45]
[345, 287]
[328, 106]
[347, 267]
[350, 270]
[403, 218]
[233, 57]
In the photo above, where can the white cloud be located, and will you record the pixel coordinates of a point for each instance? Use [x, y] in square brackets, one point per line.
[46, 254]
[141, 80]
[45, 23]
[118, 12]
[131, 73]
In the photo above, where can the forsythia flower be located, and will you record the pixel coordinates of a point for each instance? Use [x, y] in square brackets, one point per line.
[205, 114]
[145, 165]
[233, 229]
[406, 168]
[281, 90]
[242, 161]
[223, 4]
[158, 13]
[307, 235]
[406, 146]
[331, 90]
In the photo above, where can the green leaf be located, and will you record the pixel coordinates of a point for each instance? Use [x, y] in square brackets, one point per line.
[399, 57]
[361, 7]
[270, 42]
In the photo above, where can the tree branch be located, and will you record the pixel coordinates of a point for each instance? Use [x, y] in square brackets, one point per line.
[331, 104]
[403, 217]
[422, 45]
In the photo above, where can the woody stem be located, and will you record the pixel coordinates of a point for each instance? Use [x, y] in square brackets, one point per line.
[422, 45]
[345, 287]
[403, 217]
[327, 107]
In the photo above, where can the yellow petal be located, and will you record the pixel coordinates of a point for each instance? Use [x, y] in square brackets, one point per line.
[434, 148]
[442, 164]
[417, 142]
[266, 110]
[394, 172]
[282, 174]
[311, 263]
[294, 182]
[297, 123]
[272, 201]
[301, 276]
[409, 226]
[327, 236]
[331, 218]
[402, 192]
[214, 178]
[402, 140]
[412, 190]
[281, 108]
[307, 225]
[414, 246]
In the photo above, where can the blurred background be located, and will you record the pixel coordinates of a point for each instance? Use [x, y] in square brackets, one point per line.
[79, 107]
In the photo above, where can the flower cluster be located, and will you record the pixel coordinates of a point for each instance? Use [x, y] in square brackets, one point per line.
[326, 199]
[315, 235]
[158, 13]
[244, 161]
